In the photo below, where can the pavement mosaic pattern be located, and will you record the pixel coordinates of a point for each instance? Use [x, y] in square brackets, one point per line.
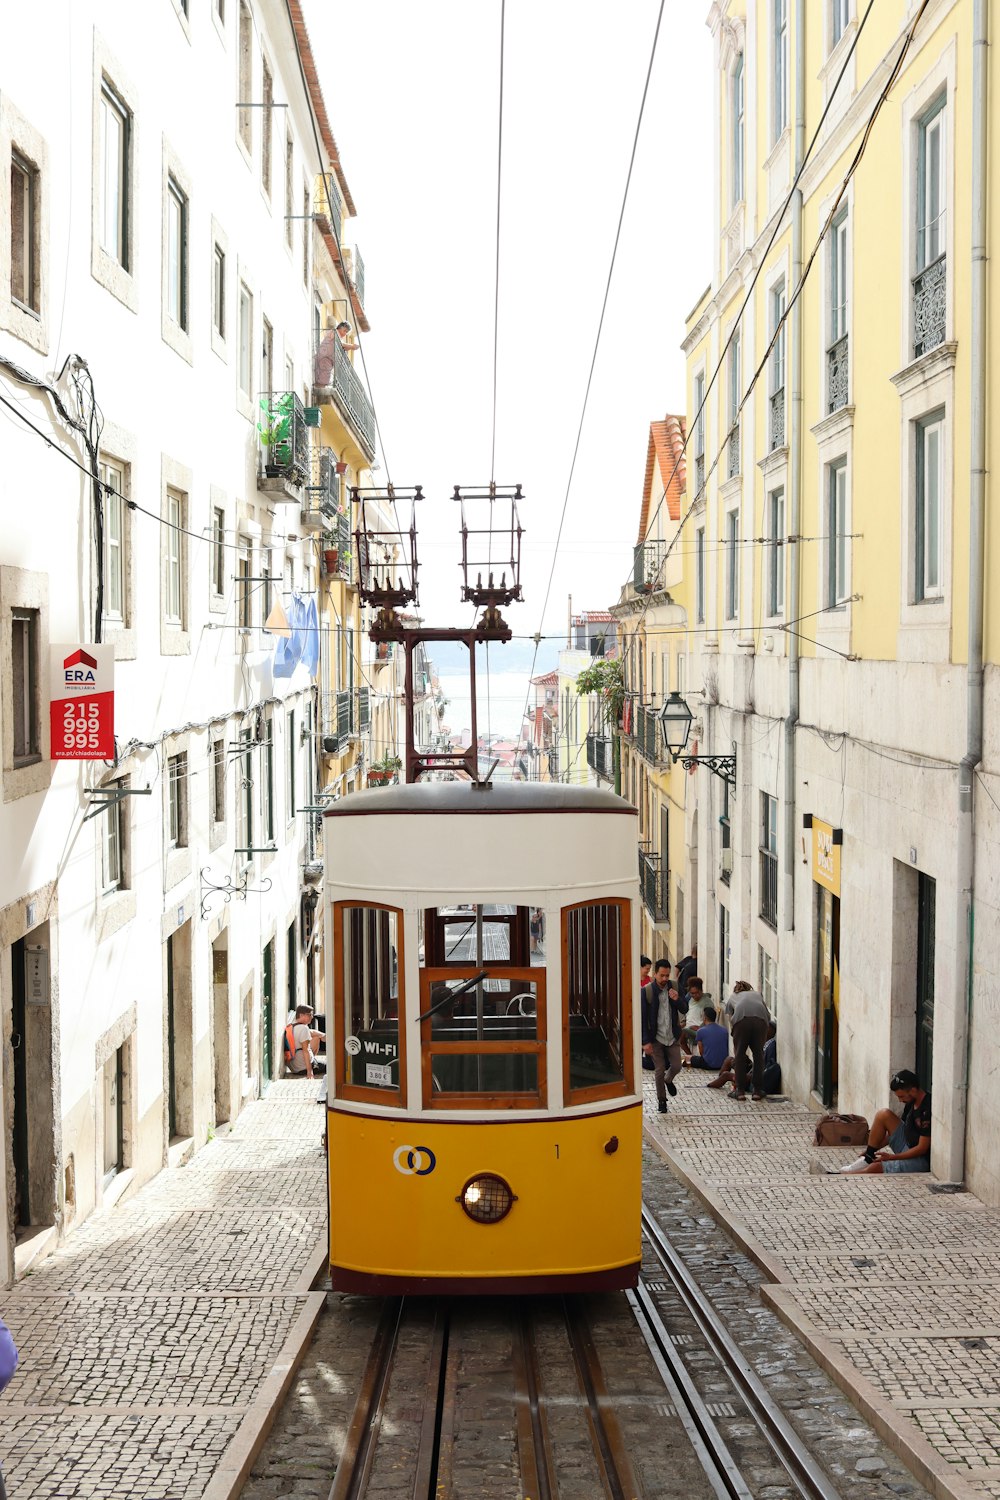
[146, 1339]
[898, 1284]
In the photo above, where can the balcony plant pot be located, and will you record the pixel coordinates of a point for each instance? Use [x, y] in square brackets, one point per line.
[330, 555]
[340, 468]
[378, 778]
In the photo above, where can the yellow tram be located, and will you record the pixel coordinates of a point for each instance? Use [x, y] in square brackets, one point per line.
[484, 1092]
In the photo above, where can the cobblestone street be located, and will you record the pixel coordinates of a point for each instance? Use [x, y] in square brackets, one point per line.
[892, 1285]
[152, 1343]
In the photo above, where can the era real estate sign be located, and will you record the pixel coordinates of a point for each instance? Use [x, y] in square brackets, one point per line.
[82, 703]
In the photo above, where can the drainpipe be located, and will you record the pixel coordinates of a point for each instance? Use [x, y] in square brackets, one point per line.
[964, 932]
[794, 470]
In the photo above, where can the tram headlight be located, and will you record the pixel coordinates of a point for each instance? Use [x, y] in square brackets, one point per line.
[487, 1198]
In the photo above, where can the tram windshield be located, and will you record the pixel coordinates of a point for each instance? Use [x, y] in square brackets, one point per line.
[369, 971]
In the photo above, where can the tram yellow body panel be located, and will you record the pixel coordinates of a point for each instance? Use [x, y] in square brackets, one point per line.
[575, 1221]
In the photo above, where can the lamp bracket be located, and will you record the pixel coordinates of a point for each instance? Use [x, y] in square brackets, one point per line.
[723, 766]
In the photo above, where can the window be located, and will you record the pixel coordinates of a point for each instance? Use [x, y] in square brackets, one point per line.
[173, 542]
[218, 781]
[596, 1000]
[780, 67]
[218, 550]
[23, 233]
[291, 750]
[115, 511]
[725, 835]
[26, 686]
[113, 182]
[841, 14]
[244, 798]
[838, 278]
[220, 10]
[930, 186]
[289, 187]
[735, 397]
[219, 291]
[244, 114]
[246, 332]
[306, 222]
[114, 840]
[368, 1003]
[776, 552]
[699, 433]
[267, 99]
[177, 249]
[737, 111]
[732, 564]
[177, 830]
[699, 552]
[267, 782]
[769, 859]
[778, 328]
[836, 530]
[769, 981]
[266, 358]
[244, 589]
[929, 485]
[289, 374]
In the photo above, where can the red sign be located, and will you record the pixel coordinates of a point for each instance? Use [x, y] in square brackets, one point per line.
[82, 703]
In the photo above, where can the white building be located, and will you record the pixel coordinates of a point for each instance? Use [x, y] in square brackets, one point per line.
[159, 164]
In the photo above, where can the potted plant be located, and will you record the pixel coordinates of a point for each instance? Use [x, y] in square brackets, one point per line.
[383, 770]
[331, 552]
[277, 435]
[340, 466]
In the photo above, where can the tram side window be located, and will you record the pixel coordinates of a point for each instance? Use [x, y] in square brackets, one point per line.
[597, 946]
[370, 972]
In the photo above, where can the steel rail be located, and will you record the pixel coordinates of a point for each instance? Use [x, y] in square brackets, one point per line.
[788, 1447]
[354, 1468]
[617, 1475]
[534, 1445]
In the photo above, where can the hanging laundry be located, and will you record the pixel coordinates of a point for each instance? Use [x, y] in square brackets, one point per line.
[288, 651]
[310, 646]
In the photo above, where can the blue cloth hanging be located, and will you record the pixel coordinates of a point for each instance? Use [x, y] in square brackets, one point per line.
[310, 645]
[288, 650]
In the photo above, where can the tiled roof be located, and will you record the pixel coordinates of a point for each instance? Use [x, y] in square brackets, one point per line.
[666, 462]
[546, 681]
[316, 97]
[592, 616]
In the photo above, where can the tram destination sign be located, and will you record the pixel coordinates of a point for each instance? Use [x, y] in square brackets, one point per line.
[82, 702]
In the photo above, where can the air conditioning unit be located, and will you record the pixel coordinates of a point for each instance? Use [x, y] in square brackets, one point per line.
[727, 861]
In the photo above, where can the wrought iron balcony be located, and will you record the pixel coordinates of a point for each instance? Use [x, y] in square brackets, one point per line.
[322, 495]
[359, 276]
[735, 464]
[836, 372]
[364, 709]
[654, 882]
[647, 566]
[343, 706]
[930, 306]
[599, 755]
[769, 887]
[328, 204]
[645, 733]
[333, 372]
[284, 436]
[776, 435]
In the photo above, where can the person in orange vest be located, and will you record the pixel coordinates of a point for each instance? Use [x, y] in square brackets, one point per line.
[302, 1044]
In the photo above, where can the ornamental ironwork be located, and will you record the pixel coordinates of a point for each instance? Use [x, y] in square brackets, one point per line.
[777, 420]
[836, 369]
[930, 307]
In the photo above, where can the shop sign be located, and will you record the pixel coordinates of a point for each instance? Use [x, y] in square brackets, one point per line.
[82, 703]
[826, 856]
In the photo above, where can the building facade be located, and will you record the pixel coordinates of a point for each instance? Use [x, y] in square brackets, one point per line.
[840, 620]
[160, 271]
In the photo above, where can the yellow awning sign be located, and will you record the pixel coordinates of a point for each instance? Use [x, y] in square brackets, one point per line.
[825, 857]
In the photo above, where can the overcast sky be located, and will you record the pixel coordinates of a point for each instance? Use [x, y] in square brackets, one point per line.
[412, 89]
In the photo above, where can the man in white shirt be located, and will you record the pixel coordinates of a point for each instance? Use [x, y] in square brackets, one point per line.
[302, 1044]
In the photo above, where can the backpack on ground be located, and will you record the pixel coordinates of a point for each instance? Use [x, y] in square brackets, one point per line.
[841, 1130]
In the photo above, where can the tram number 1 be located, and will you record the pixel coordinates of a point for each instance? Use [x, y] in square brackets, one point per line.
[557, 1152]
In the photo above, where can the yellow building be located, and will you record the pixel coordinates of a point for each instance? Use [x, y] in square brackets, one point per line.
[652, 614]
[837, 538]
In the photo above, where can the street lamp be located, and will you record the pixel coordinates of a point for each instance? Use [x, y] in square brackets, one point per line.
[675, 723]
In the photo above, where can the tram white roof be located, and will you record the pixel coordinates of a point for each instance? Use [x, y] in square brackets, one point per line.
[441, 797]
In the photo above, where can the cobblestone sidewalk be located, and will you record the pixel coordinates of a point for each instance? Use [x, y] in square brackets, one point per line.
[153, 1342]
[893, 1285]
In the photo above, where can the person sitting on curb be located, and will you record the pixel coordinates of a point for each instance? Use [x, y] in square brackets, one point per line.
[712, 1041]
[749, 1018]
[695, 997]
[772, 1067]
[898, 1145]
[302, 1044]
[662, 1011]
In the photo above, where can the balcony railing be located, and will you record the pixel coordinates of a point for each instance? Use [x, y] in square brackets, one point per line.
[599, 754]
[343, 718]
[647, 566]
[323, 490]
[769, 887]
[364, 709]
[359, 276]
[284, 436]
[836, 372]
[930, 306]
[654, 882]
[645, 733]
[328, 204]
[333, 371]
[735, 464]
[776, 436]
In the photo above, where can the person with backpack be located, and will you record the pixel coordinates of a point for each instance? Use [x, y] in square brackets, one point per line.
[302, 1045]
[662, 1011]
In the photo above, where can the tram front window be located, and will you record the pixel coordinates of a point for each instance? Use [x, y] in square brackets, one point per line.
[597, 998]
[369, 973]
[480, 1036]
